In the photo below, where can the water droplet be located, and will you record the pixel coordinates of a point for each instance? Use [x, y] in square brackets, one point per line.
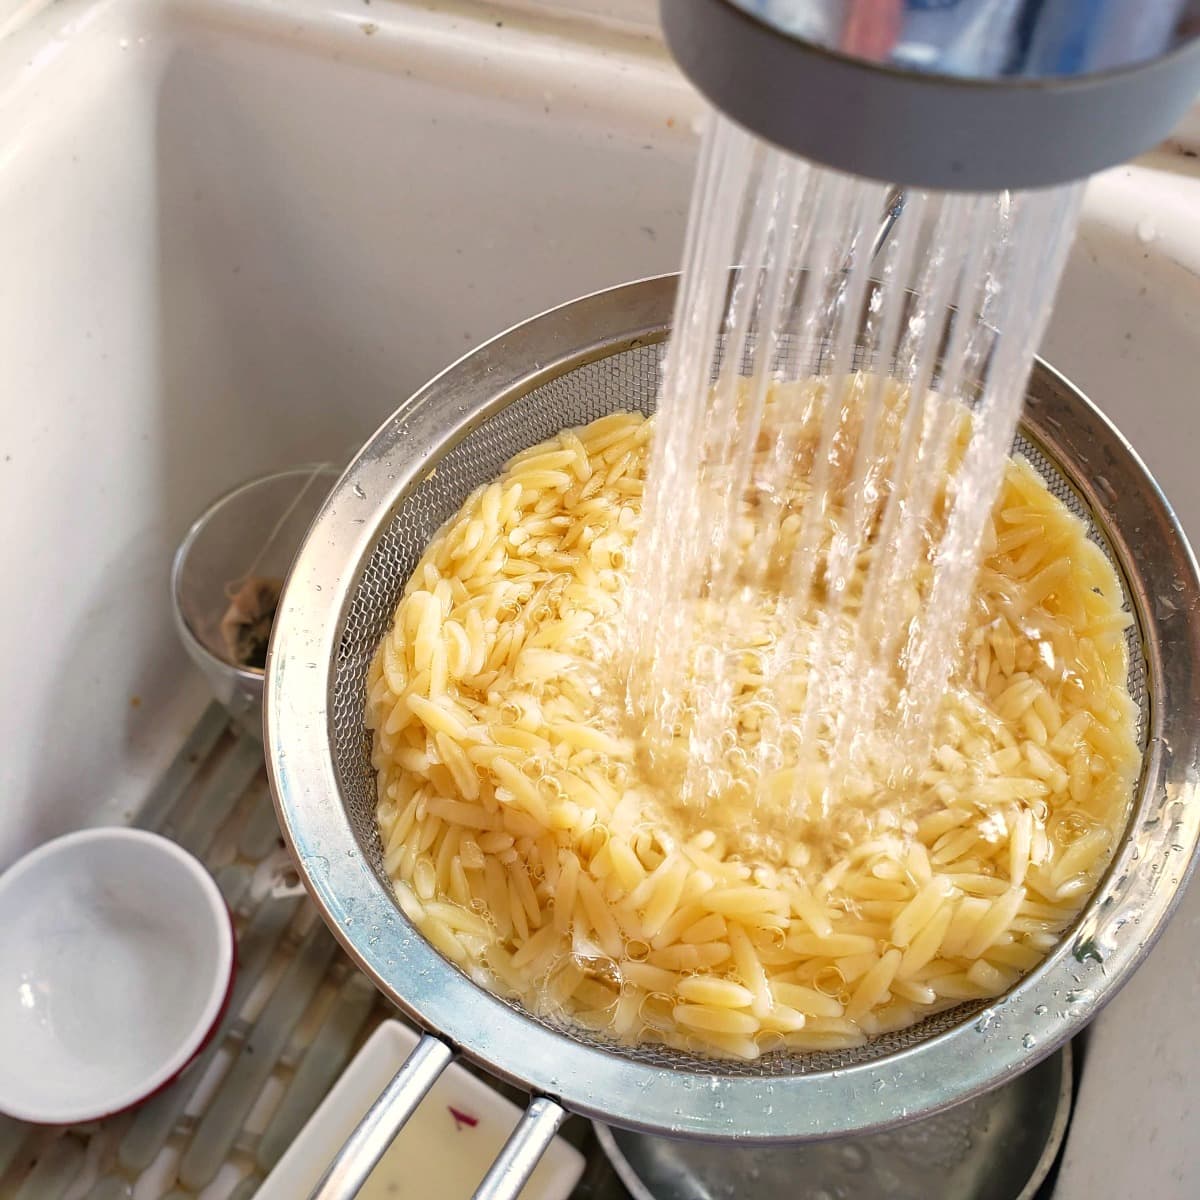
[359, 492]
[1041, 1010]
[1029, 1041]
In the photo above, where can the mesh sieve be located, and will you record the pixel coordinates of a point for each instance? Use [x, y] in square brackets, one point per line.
[628, 380]
[569, 367]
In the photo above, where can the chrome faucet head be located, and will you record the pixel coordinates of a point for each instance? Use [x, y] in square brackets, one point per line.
[966, 95]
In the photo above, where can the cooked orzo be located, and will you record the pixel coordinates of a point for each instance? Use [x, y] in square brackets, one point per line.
[540, 843]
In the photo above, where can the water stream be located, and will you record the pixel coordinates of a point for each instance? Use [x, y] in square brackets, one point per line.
[831, 433]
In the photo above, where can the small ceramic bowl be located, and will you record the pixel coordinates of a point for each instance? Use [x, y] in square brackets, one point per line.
[233, 560]
[116, 963]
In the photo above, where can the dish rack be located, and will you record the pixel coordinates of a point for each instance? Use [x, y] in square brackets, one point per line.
[299, 1012]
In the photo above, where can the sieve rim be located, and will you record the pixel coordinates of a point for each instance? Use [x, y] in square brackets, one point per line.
[1087, 968]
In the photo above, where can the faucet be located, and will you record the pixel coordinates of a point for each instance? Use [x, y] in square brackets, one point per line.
[963, 95]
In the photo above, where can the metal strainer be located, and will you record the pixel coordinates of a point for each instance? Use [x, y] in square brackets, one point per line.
[567, 367]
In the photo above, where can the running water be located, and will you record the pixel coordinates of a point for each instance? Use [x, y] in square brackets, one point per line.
[817, 493]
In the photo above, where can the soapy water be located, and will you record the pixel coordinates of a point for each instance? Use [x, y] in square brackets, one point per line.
[812, 420]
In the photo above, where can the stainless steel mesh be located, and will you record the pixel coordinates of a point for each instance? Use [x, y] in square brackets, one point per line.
[627, 379]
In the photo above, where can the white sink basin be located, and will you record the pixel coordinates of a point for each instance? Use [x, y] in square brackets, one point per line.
[235, 233]
[234, 236]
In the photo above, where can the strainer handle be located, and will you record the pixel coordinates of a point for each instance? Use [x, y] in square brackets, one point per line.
[523, 1151]
[383, 1121]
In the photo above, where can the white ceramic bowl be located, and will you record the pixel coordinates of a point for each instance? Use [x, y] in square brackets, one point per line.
[116, 960]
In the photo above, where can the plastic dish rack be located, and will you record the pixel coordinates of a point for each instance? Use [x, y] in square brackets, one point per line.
[298, 1013]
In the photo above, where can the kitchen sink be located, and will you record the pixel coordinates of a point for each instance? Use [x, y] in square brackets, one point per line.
[235, 234]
